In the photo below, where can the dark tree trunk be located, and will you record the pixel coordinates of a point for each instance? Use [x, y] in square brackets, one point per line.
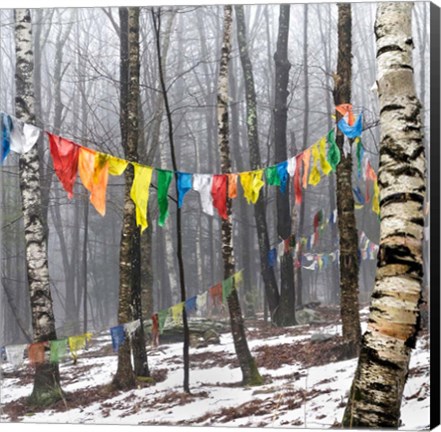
[286, 312]
[250, 374]
[349, 308]
[47, 378]
[269, 278]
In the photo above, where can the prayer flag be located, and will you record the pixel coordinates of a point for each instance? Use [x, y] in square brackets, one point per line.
[376, 199]
[272, 176]
[202, 183]
[6, 126]
[238, 278]
[333, 155]
[118, 337]
[176, 312]
[164, 178]
[358, 194]
[140, 193]
[314, 177]
[272, 257]
[252, 183]
[232, 185]
[116, 165]
[297, 184]
[190, 305]
[216, 294]
[227, 288]
[77, 343]
[201, 302]
[351, 131]
[360, 154]
[162, 317]
[306, 158]
[326, 167]
[15, 354]
[291, 166]
[282, 171]
[65, 155]
[346, 109]
[58, 350]
[131, 327]
[23, 136]
[219, 194]
[36, 353]
[184, 185]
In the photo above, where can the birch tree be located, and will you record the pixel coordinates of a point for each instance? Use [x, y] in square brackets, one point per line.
[47, 378]
[250, 374]
[383, 366]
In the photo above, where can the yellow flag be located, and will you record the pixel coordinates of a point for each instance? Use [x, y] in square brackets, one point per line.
[176, 312]
[238, 278]
[376, 199]
[314, 176]
[140, 193]
[358, 206]
[306, 158]
[326, 167]
[77, 343]
[117, 166]
[251, 182]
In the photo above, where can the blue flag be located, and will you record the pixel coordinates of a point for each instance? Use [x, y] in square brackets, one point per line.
[359, 195]
[185, 181]
[272, 257]
[351, 131]
[190, 305]
[282, 170]
[6, 126]
[118, 337]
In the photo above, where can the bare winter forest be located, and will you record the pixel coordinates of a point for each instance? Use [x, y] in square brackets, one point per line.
[243, 234]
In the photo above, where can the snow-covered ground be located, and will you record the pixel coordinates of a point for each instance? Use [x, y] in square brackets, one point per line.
[294, 394]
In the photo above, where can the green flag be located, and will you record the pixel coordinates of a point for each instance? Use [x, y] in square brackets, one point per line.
[333, 155]
[227, 288]
[272, 176]
[164, 178]
[58, 350]
[162, 316]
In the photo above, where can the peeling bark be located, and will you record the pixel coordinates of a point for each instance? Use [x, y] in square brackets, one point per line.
[47, 378]
[383, 366]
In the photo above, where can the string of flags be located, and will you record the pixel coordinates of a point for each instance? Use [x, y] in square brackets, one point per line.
[93, 168]
[214, 297]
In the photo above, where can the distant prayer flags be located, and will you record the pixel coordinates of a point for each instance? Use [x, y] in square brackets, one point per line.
[291, 166]
[164, 178]
[140, 193]
[6, 127]
[15, 354]
[201, 302]
[376, 199]
[77, 343]
[272, 257]
[297, 182]
[176, 312]
[360, 154]
[131, 327]
[58, 350]
[359, 195]
[36, 353]
[162, 317]
[251, 182]
[215, 293]
[65, 160]
[184, 185]
[354, 131]
[190, 305]
[219, 194]
[202, 183]
[227, 288]
[118, 337]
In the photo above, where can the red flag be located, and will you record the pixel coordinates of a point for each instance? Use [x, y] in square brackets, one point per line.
[219, 194]
[65, 159]
[344, 109]
[297, 183]
[216, 294]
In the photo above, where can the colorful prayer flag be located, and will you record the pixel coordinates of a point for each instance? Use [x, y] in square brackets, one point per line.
[36, 353]
[219, 194]
[190, 305]
[232, 185]
[202, 183]
[227, 288]
[251, 182]
[184, 185]
[58, 350]
[282, 171]
[164, 178]
[118, 337]
[6, 126]
[354, 131]
[140, 193]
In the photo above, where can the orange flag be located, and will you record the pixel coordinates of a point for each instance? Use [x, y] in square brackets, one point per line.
[306, 158]
[232, 185]
[344, 109]
[93, 168]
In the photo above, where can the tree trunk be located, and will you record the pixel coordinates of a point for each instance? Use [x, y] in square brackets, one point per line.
[349, 308]
[383, 366]
[286, 312]
[47, 379]
[268, 275]
[250, 374]
[179, 252]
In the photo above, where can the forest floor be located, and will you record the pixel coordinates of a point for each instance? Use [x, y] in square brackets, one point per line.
[306, 384]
